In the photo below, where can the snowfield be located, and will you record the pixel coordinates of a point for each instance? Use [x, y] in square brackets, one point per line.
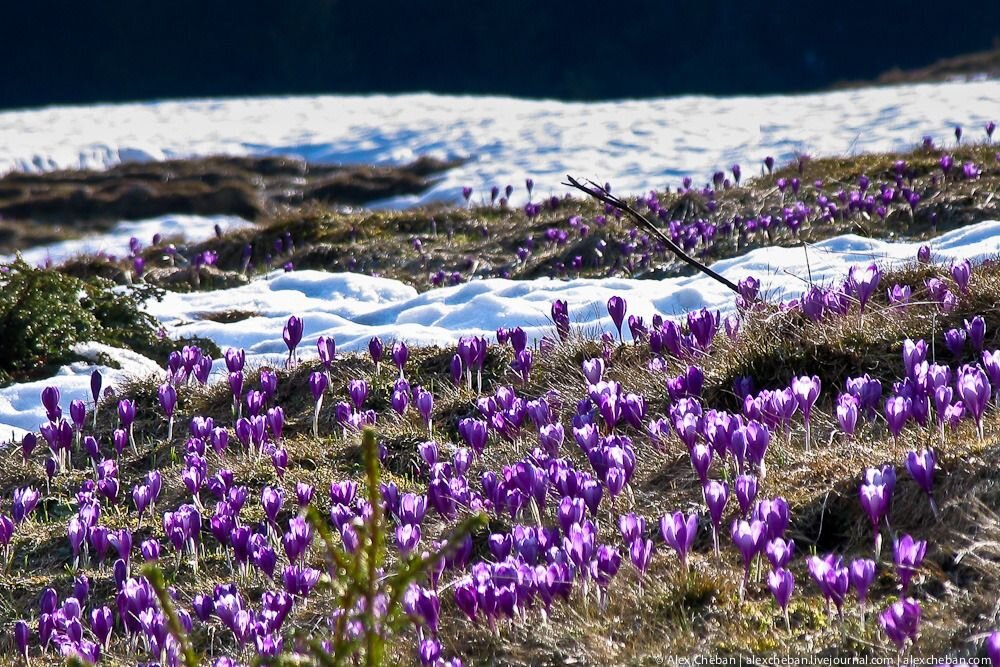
[637, 145]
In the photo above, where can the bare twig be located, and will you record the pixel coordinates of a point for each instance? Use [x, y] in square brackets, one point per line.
[599, 193]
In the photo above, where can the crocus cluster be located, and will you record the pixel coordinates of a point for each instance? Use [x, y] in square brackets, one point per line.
[555, 470]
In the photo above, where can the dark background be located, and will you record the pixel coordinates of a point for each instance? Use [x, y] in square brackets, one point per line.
[109, 50]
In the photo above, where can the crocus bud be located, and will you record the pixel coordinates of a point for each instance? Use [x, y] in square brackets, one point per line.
[22, 636]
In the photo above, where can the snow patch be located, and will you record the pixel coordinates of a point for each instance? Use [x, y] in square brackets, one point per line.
[192, 228]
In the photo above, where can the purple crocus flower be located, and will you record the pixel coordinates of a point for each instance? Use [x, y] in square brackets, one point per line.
[901, 622]
[560, 317]
[126, 415]
[150, 549]
[757, 438]
[6, 530]
[429, 453]
[101, 624]
[954, 340]
[679, 533]
[831, 577]
[271, 500]
[703, 325]
[24, 503]
[992, 646]
[780, 552]
[317, 386]
[292, 335]
[701, 459]
[897, 411]
[570, 511]
[774, 513]
[716, 496]
[617, 308]
[50, 401]
[77, 413]
[407, 538]
[806, 390]
[400, 400]
[550, 437]
[22, 637]
[961, 272]
[863, 283]
[375, 350]
[745, 487]
[77, 533]
[913, 355]
[908, 554]
[358, 391]
[167, 396]
[847, 413]
[899, 295]
[641, 553]
[400, 354]
[96, 380]
[579, 544]
[425, 406]
[235, 360]
[474, 432]
[593, 370]
[781, 583]
[991, 364]
[327, 349]
[268, 386]
[976, 331]
[973, 387]
[30, 440]
[946, 162]
[522, 362]
[876, 495]
[749, 289]
[921, 468]
[861, 574]
[748, 536]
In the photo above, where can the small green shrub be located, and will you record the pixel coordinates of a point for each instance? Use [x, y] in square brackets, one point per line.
[44, 312]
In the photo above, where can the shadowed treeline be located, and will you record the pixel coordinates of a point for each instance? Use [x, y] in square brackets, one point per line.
[60, 52]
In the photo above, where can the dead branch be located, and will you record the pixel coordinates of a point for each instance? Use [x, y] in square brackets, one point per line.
[599, 193]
